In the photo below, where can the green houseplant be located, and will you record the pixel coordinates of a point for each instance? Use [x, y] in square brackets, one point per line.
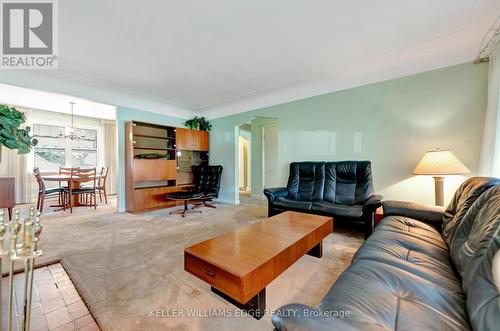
[12, 135]
[198, 123]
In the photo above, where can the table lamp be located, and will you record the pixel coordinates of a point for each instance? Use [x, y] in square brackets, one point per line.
[440, 163]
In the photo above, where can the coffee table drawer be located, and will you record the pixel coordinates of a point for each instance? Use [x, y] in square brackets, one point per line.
[220, 279]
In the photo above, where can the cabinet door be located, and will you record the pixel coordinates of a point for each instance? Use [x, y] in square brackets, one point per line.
[202, 141]
[183, 138]
[167, 170]
[191, 140]
[145, 170]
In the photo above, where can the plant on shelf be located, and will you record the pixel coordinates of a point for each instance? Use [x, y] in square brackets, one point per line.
[12, 135]
[153, 156]
[198, 123]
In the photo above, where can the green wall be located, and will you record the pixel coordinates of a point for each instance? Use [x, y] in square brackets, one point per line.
[391, 123]
[123, 115]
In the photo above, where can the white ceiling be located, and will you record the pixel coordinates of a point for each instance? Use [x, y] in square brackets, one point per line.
[18, 96]
[226, 56]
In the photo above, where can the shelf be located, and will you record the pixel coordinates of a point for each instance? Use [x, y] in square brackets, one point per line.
[153, 184]
[153, 137]
[155, 149]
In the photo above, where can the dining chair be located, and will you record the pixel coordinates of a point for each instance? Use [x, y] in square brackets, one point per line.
[101, 184]
[44, 192]
[65, 171]
[87, 193]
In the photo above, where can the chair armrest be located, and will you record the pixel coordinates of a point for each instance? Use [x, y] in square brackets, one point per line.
[294, 317]
[425, 213]
[373, 203]
[273, 193]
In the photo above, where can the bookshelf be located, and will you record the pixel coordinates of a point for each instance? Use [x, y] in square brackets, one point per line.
[155, 165]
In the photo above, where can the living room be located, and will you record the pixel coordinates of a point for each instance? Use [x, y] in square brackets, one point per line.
[253, 165]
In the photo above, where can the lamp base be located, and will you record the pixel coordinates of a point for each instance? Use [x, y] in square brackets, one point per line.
[438, 189]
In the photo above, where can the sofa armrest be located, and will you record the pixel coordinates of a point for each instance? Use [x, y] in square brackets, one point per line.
[373, 203]
[369, 208]
[425, 213]
[273, 193]
[295, 317]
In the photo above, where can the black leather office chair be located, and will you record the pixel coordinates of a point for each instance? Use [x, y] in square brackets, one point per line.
[206, 189]
[207, 181]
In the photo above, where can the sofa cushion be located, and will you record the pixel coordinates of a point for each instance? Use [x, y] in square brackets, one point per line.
[328, 208]
[382, 296]
[287, 203]
[478, 225]
[483, 293]
[422, 253]
[474, 247]
[348, 182]
[462, 200]
[306, 181]
[408, 225]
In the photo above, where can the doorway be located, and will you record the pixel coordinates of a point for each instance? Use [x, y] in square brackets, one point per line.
[270, 170]
[244, 165]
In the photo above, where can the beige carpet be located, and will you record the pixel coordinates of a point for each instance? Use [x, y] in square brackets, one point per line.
[125, 266]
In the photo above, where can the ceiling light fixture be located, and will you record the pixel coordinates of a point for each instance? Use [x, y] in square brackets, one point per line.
[70, 132]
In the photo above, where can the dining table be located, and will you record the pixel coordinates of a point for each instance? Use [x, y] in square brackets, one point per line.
[74, 182]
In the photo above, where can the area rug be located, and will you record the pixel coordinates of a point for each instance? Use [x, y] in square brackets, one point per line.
[129, 268]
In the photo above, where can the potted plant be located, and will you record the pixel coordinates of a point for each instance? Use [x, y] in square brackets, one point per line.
[12, 135]
[198, 123]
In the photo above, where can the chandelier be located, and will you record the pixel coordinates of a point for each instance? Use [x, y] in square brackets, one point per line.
[70, 132]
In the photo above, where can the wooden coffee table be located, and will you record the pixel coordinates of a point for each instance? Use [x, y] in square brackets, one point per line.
[241, 263]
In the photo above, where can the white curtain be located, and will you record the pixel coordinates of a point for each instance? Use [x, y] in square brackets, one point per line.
[16, 165]
[110, 150]
[490, 150]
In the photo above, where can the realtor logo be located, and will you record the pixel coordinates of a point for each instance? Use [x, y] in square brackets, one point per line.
[29, 34]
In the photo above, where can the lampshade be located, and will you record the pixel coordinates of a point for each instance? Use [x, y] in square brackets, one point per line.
[438, 163]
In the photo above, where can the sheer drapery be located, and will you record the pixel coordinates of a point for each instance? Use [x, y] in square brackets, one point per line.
[17, 165]
[110, 145]
[490, 150]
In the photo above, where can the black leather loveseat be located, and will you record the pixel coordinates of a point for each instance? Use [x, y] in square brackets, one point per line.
[423, 268]
[343, 190]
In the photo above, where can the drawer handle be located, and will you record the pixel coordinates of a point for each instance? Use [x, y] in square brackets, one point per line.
[210, 273]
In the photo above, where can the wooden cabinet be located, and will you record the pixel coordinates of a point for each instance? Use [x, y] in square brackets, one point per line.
[154, 170]
[192, 140]
[7, 194]
[202, 140]
[148, 179]
[167, 169]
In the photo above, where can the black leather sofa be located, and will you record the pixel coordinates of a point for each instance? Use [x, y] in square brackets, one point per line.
[343, 190]
[423, 268]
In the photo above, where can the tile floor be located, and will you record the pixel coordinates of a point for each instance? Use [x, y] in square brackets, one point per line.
[56, 303]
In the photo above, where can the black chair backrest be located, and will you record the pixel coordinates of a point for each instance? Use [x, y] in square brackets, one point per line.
[306, 181]
[348, 182]
[207, 179]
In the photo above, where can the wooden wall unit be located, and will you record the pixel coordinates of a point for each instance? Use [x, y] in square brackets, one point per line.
[192, 140]
[148, 180]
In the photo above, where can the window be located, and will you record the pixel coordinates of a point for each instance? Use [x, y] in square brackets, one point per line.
[50, 151]
[53, 152]
[84, 151]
